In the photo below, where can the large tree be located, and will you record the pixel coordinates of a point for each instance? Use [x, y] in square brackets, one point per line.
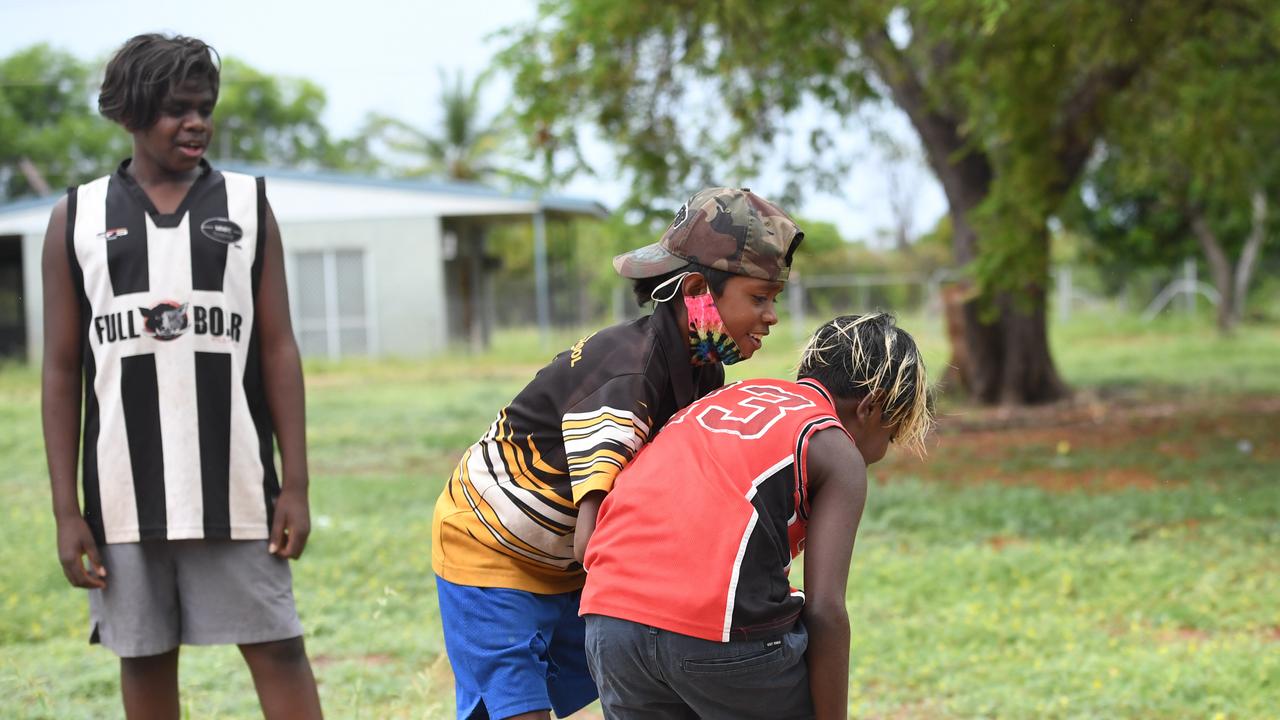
[1008, 101]
[1191, 163]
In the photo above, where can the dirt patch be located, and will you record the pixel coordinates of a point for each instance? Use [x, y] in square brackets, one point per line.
[1094, 409]
[1088, 480]
[1185, 634]
[1123, 441]
[1000, 542]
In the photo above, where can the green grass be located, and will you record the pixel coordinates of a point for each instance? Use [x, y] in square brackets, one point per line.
[1120, 567]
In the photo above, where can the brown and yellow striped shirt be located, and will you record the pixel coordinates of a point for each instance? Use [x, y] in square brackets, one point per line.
[507, 515]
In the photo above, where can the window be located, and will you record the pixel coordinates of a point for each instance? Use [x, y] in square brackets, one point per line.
[333, 307]
[13, 322]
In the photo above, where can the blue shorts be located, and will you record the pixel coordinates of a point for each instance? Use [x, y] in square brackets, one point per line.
[513, 651]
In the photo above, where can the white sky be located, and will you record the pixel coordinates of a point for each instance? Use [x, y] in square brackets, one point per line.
[383, 55]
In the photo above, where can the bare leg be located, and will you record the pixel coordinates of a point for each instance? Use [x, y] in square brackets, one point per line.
[149, 686]
[282, 676]
[535, 715]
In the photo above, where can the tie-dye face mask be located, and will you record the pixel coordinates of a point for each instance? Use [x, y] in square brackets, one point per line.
[709, 340]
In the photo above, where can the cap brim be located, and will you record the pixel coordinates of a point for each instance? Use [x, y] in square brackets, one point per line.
[646, 262]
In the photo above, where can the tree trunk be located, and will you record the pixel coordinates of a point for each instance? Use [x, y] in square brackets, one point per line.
[1249, 256]
[1219, 270]
[1008, 348]
[1008, 358]
[1008, 354]
[1026, 370]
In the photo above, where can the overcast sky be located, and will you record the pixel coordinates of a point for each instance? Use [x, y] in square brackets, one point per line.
[383, 55]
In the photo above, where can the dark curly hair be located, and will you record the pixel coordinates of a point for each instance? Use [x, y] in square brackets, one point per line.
[146, 69]
[644, 287]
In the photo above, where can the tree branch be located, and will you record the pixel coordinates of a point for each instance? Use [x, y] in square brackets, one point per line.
[1249, 255]
[1219, 266]
[964, 172]
[1082, 113]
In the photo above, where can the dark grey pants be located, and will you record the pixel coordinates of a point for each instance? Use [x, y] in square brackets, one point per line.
[645, 674]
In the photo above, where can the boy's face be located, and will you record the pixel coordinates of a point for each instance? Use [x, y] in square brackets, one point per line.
[747, 310]
[183, 129]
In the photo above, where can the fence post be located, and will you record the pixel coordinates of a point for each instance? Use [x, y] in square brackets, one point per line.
[542, 286]
[619, 298]
[1062, 278]
[1189, 282]
[795, 303]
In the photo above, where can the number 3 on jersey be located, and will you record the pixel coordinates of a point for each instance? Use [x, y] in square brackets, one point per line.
[750, 417]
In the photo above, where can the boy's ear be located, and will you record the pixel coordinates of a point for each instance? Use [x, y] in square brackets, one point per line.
[868, 405]
[693, 284]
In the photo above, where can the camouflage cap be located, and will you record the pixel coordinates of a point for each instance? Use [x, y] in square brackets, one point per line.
[728, 229]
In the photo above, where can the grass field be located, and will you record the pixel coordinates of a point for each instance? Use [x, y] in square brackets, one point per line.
[1114, 557]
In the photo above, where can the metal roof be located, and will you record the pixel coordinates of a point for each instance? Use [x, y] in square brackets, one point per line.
[554, 203]
[320, 195]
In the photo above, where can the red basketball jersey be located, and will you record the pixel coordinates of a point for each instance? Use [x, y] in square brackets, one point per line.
[698, 534]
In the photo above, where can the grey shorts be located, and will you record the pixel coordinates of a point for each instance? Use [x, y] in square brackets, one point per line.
[645, 673]
[191, 592]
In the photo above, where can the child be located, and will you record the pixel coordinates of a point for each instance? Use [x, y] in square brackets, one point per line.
[164, 292]
[687, 604]
[508, 568]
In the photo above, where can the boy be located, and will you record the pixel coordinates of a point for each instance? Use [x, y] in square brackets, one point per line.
[688, 609]
[503, 536]
[164, 292]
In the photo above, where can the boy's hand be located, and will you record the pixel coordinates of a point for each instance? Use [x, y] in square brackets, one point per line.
[74, 542]
[291, 526]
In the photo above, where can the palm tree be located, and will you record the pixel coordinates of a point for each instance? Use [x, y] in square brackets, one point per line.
[464, 146]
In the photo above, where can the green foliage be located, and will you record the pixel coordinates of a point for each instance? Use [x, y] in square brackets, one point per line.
[48, 118]
[685, 106]
[580, 254]
[261, 118]
[691, 92]
[1198, 140]
[972, 593]
[819, 237]
[465, 146]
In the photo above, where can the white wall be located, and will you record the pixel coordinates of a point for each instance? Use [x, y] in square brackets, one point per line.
[33, 294]
[405, 262]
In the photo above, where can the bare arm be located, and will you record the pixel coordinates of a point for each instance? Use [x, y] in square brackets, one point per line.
[60, 385]
[838, 492]
[282, 382]
[588, 509]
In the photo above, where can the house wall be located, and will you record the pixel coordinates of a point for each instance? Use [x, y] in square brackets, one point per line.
[398, 227]
[33, 300]
[404, 272]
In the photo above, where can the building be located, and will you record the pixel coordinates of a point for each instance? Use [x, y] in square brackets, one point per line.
[376, 267]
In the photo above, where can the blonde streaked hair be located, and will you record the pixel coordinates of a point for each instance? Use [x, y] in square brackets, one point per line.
[855, 355]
